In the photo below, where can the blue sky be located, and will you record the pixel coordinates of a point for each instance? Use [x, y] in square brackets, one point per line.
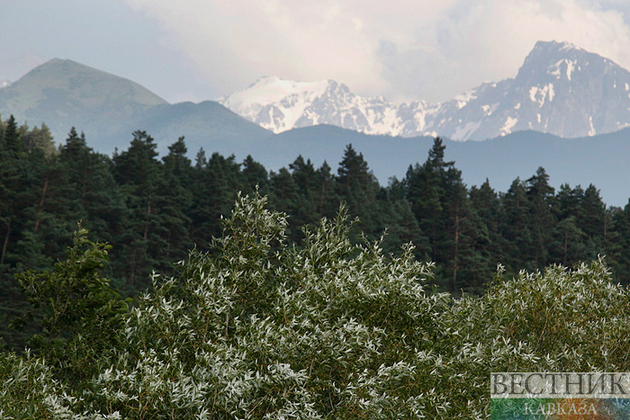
[203, 49]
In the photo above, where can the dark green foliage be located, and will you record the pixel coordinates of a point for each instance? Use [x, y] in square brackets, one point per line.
[541, 197]
[356, 185]
[309, 189]
[255, 176]
[175, 204]
[80, 314]
[258, 328]
[489, 208]
[213, 188]
[156, 224]
[155, 209]
[516, 228]
[425, 189]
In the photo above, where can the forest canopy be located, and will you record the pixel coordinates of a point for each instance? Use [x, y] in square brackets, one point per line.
[135, 286]
[258, 328]
[154, 209]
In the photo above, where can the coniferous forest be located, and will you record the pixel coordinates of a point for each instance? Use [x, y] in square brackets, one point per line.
[154, 209]
[305, 288]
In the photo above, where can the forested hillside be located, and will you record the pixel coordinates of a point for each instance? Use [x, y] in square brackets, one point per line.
[153, 209]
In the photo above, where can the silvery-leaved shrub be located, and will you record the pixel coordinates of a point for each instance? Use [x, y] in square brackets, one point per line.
[256, 329]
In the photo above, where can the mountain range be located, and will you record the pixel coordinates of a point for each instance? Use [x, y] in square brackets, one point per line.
[578, 95]
[107, 108]
[560, 89]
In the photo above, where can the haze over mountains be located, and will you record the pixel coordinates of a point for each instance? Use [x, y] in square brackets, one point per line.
[108, 108]
[561, 90]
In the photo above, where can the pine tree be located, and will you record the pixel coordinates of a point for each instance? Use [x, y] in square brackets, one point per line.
[469, 266]
[326, 198]
[487, 204]
[306, 180]
[358, 187]
[29, 233]
[214, 187]
[593, 221]
[541, 197]
[254, 176]
[137, 171]
[516, 228]
[175, 203]
[425, 185]
[401, 224]
[96, 199]
[286, 198]
[176, 163]
[13, 142]
[568, 244]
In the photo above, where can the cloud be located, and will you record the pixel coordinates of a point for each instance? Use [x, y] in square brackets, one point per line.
[410, 49]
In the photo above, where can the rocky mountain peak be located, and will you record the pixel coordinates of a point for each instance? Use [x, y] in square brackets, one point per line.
[560, 89]
[562, 61]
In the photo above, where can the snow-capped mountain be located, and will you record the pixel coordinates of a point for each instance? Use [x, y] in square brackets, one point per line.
[280, 105]
[4, 83]
[560, 89]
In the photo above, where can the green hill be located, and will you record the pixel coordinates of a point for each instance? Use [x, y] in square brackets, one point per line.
[63, 93]
[108, 108]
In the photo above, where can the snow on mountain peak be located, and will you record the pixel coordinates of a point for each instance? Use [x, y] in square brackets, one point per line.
[271, 89]
[4, 83]
[464, 98]
[560, 89]
[555, 46]
[279, 105]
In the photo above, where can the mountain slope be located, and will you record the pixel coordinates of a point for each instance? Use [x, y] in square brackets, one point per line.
[560, 89]
[108, 108]
[599, 160]
[63, 93]
[206, 124]
[280, 105]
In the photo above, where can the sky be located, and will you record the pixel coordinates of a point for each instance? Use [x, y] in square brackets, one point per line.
[195, 50]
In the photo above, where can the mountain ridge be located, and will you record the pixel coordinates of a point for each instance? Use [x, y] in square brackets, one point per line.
[599, 159]
[555, 80]
[108, 109]
[64, 93]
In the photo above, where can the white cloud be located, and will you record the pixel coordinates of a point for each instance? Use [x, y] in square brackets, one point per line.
[403, 49]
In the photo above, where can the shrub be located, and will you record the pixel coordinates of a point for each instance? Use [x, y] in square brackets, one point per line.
[257, 329]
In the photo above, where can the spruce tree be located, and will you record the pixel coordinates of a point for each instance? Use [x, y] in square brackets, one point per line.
[254, 176]
[516, 228]
[175, 203]
[137, 171]
[425, 185]
[285, 197]
[305, 178]
[97, 200]
[326, 198]
[541, 197]
[358, 187]
[487, 204]
[214, 186]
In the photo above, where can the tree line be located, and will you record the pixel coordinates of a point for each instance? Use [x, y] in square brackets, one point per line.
[154, 209]
[259, 328]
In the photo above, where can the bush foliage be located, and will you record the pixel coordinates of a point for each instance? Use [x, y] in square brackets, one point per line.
[256, 329]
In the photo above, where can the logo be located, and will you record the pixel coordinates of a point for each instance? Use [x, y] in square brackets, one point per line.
[561, 395]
